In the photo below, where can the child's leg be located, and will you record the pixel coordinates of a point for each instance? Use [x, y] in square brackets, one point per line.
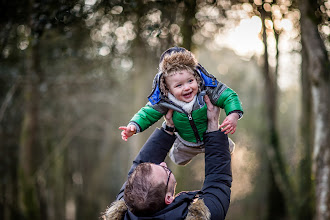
[182, 154]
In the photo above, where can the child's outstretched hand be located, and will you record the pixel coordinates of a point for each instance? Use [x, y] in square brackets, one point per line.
[229, 124]
[127, 131]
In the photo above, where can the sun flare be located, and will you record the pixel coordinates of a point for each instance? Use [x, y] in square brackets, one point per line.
[244, 38]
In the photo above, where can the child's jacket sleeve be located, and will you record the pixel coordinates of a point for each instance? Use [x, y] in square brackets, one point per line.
[224, 97]
[145, 117]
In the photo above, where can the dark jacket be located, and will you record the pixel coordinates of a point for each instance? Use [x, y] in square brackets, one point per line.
[211, 202]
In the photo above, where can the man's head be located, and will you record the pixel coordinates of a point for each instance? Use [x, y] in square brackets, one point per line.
[173, 61]
[149, 189]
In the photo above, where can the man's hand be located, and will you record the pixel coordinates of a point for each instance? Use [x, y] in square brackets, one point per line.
[230, 123]
[127, 131]
[213, 113]
[168, 120]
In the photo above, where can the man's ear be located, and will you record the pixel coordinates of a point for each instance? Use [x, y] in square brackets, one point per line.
[169, 198]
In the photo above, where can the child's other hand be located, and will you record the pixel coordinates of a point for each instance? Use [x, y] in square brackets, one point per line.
[127, 131]
[229, 124]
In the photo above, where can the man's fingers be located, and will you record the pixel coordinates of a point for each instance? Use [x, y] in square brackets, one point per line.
[169, 113]
[207, 101]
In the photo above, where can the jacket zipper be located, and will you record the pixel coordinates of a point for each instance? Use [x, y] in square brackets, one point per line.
[191, 122]
[193, 126]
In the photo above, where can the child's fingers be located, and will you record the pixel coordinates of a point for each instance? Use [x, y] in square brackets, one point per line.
[224, 128]
[124, 137]
[227, 129]
[122, 128]
[224, 124]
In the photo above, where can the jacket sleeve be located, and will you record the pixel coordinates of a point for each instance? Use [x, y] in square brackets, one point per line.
[216, 188]
[154, 151]
[145, 117]
[225, 98]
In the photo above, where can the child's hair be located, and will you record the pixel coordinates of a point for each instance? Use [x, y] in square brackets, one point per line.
[173, 60]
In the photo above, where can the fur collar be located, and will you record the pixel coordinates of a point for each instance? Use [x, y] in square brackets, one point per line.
[185, 105]
[196, 210]
[116, 211]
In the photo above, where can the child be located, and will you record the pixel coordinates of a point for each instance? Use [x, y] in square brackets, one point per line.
[181, 85]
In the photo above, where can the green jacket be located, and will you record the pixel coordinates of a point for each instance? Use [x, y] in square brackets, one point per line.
[190, 127]
[221, 96]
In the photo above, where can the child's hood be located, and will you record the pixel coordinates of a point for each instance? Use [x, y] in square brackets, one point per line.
[208, 80]
[178, 61]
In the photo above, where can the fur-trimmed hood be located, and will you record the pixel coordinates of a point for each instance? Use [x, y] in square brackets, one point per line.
[196, 210]
[157, 94]
[177, 61]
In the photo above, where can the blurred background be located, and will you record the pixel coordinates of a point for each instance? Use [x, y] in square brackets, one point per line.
[72, 72]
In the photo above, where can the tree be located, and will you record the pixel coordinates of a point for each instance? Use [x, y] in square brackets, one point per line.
[316, 62]
[26, 22]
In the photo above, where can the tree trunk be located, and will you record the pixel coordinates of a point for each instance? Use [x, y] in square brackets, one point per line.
[144, 69]
[318, 72]
[306, 193]
[280, 189]
[189, 12]
[31, 153]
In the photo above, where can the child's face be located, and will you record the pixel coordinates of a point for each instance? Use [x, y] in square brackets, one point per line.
[182, 85]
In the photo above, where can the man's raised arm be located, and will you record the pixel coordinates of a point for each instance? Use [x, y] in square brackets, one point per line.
[216, 188]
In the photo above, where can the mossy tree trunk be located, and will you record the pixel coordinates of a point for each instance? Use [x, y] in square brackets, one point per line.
[317, 63]
[31, 153]
[280, 204]
[305, 184]
[190, 9]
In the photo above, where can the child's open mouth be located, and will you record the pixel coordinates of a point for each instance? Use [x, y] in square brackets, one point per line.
[188, 95]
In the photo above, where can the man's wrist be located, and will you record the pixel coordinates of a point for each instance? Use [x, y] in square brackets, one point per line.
[168, 128]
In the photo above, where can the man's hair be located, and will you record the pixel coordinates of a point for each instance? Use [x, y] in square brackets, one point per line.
[142, 196]
[177, 59]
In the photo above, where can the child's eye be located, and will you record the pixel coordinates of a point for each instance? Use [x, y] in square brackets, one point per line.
[179, 85]
[190, 80]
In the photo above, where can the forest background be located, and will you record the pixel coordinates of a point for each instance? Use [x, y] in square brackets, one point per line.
[72, 72]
